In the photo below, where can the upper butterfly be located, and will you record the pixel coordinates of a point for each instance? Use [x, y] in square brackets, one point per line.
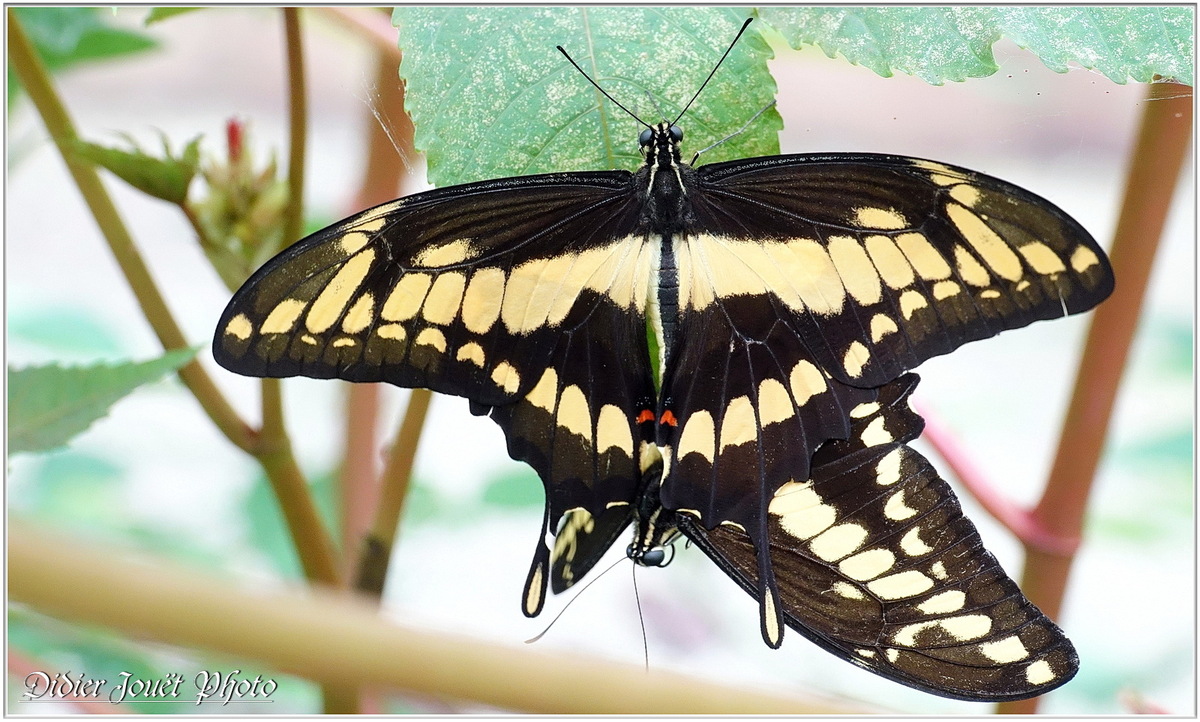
[781, 294]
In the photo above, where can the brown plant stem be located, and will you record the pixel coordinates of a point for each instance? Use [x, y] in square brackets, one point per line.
[337, 698]
[385, 171]
[37, 83]
[293, 215]
[377, 550]
[336, 639]
[1161, 148]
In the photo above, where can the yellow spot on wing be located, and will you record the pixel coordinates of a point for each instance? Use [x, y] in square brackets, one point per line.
[770, 618]
[283, 317]
[482, 299]
[1039, 672]
[360, 315]
[446, 254]
[967, 627]
[1083, 258]
[887, 471]
[986, 242]
[968, 195]
[901, 585]
[612, 431]
[328, 306]
[838, 541]
[432, 337]
[923, 256]
[737, 426]
[868, 564]
[774, 404]
[910, 302]
[912, 544]
[864, 410]
[895, 508]
[393, 331]
[1005, 651]
[545, 392]
[573, 413]
[856, 358]
[806, 381]
[945, 289]
[944, 602]
[892, 265]
[699, 436]
[1042, 259]
[883, 219]
[472, 352]
[441, 305]
[876, 433]
[506, 377]
[533, 593]
[881, 325]
[353, 242]
[801, 512]
[970, 269]
[849, 591]
[240, 327]
[855, 268]
[406, 298]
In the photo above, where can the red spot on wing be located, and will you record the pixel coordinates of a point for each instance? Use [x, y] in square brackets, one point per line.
[646, 415]
[668, 418]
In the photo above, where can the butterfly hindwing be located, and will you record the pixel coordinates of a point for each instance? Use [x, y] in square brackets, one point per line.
[874, 561]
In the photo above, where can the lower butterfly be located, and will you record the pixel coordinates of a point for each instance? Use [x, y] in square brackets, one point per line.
[787, 297]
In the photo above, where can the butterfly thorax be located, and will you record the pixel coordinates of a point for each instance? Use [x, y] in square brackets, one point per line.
[664, 180]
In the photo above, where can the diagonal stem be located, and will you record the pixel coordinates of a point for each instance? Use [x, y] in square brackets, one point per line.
[1161, 149]
[37, 83]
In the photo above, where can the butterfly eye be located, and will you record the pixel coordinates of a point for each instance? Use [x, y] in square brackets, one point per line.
[657, 557]
[676, 133]
[645, 138]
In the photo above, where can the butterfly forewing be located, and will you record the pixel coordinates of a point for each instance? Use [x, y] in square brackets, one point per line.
[884, 261]
[875, 562]
[460, 290]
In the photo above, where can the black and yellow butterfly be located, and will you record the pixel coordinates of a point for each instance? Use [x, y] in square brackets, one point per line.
[720, 352]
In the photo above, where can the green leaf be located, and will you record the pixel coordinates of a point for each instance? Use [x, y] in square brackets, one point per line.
[67, 36]
[157, 15]
[955, 43]
[167, 177]
[48, 405]
[491, 97]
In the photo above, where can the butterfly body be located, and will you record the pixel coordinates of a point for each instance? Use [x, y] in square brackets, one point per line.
[715, 352]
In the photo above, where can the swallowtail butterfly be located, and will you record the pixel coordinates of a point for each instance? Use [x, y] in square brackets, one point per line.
[787, 297]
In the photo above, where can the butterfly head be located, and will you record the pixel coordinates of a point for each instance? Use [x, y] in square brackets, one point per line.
[660, 144]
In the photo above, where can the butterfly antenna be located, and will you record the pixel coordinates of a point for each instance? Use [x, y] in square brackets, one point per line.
[641, 619]
[602, 90]
[567, 606]
[734, 134]
[714, 70]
